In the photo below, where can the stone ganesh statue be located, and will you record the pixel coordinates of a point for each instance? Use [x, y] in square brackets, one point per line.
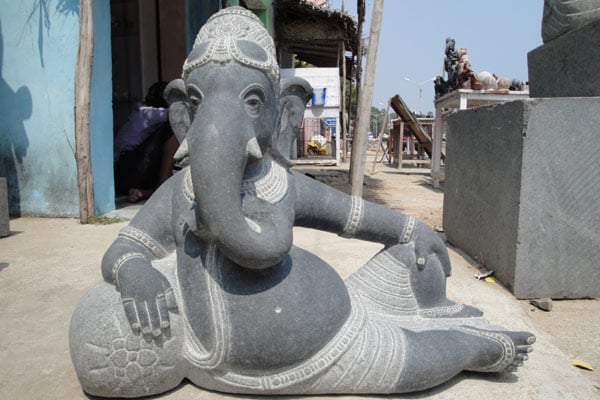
[210, 287]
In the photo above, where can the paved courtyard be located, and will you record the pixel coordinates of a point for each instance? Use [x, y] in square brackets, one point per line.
[46, 265]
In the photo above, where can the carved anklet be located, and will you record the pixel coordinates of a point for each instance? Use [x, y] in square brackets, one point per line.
[509, 349]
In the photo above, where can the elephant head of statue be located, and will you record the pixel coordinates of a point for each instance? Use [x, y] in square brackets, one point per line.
[234, 117]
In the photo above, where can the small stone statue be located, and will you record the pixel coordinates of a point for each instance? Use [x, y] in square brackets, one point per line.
[451, 59]
[562, 16]
[206, 284]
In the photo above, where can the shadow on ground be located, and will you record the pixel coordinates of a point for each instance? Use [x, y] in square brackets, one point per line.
[339, 179]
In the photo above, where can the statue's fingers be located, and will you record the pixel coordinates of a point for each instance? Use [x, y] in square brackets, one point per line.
[144, 316]
[170, 299]
[154, 317]
[421, 256]
[163, 311]
[444, 260]
[131, 314]
[421, 261]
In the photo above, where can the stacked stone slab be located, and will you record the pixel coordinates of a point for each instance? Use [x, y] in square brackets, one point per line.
[522, 178]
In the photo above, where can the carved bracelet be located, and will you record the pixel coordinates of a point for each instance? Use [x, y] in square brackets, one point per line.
[408, 230]
[355, 217]
[119, 263]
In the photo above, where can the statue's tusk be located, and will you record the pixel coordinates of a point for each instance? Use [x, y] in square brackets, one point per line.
[253, 149]
[182, 151]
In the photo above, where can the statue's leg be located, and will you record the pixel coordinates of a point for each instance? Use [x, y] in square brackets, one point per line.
[433, 357]
[388, 359]
[391, 283]
[112, 361]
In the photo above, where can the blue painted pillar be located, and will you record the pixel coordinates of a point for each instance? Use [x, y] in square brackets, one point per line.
[101, 112]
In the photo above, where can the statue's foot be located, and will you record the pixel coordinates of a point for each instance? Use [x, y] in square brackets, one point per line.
[499, 351]
[451, 310]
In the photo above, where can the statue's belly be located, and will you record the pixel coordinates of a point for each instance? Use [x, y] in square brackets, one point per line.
[281, 316]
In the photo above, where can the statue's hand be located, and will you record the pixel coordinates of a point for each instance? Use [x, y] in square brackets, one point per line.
[427, 242]
[147, 297]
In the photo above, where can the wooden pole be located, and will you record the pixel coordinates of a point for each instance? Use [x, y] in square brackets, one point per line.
[83, 79]
[345, 111]
[360, 8]
[359, 142]
[398, 148]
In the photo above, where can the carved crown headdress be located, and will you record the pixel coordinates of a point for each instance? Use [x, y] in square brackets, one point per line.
[234, 34]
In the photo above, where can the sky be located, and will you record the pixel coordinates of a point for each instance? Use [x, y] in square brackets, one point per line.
[497, 35]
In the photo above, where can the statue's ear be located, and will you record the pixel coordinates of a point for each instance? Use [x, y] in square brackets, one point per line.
[295, 93]
[179, 115]
[179, 109]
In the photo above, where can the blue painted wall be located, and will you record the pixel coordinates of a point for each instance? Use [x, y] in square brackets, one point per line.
[38, 51]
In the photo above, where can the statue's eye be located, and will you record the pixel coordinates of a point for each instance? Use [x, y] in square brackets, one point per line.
[253, 104]
[254, 99]
[195, 95]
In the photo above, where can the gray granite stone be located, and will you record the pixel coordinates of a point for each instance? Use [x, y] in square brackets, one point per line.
[544, 304]
[206, 284]
[521, 194]
[4, 217]
[568, 65]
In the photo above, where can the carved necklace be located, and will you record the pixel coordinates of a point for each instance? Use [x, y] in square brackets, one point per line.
[268, 183]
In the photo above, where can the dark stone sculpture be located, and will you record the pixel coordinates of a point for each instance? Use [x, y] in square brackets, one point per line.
[562, 16]
[210, 287]
[443, 86]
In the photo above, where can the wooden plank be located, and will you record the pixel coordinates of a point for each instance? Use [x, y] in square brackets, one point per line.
[413, 124]
[415, 161]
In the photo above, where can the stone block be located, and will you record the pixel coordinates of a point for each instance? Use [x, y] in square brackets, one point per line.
[4, 217]
[521, 193]
[568, 65]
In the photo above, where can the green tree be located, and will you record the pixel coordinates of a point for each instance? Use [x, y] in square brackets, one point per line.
[353, 101]
[377, 117]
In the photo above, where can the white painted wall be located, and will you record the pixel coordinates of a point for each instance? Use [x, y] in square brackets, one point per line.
[319, 79]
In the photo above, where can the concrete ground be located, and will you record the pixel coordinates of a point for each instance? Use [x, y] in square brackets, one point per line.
[47, 264]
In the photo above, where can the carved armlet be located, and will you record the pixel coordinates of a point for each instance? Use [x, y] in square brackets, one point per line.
[142, 238]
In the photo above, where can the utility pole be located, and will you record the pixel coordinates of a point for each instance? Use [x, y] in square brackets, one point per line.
[420, 86]
[83, 80]
[359, 141]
